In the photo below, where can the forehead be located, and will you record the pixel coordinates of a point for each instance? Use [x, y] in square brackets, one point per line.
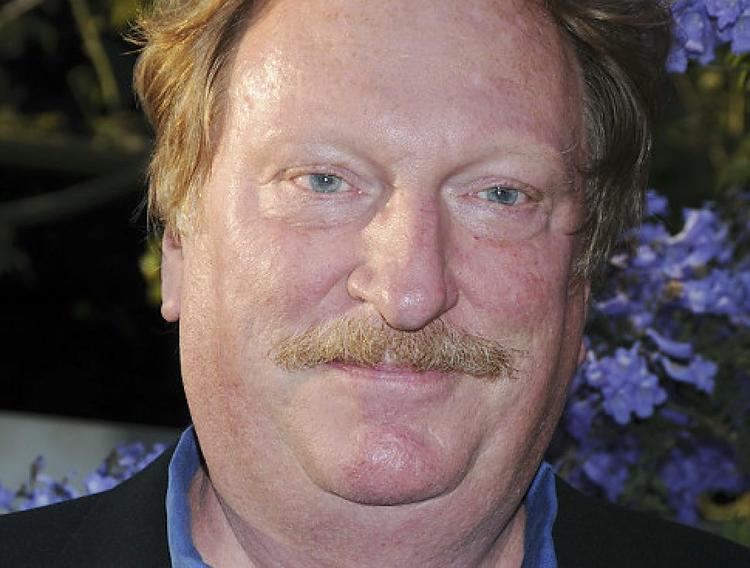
[436, 73]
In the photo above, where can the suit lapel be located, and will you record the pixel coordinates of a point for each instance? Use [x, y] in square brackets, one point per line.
[127, 527]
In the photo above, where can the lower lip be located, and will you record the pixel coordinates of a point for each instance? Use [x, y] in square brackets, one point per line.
[394, 375]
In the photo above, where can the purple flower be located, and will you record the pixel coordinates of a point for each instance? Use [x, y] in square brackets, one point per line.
[97, 482]
[741, 315]
[41, 489]
[128, 455]
[649, 233]
[645, 257]
[660, 258]
[656, 205]
[6, 498]
[675, 416]
[741, 33]
[694, 33]
[617, 305]
[719, 293]
[669, 347]
[703, 239]
[33, 499]
[699, 372]
[689, 474]
[700, 25]
[626, 384]
[726, 12]
[631, 306]
[677, 59]
[641, 319]
[579, 415]
[610, 470]
[669, 285]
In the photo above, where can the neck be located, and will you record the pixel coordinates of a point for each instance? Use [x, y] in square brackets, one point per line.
[353, 535]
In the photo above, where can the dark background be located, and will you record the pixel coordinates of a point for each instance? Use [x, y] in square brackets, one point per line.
[81, 333]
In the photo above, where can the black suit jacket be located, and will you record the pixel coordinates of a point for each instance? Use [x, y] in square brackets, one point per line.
[126, 528]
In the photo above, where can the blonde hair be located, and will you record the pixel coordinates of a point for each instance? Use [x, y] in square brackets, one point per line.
[179, 78]
[621, 46]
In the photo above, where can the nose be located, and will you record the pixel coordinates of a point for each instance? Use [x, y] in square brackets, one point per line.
[405, 274]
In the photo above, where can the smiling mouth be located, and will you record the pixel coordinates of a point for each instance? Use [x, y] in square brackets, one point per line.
[384, 367]
[391, 372]
[390, 364]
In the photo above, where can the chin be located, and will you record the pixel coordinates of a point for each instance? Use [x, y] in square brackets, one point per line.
[391, 465]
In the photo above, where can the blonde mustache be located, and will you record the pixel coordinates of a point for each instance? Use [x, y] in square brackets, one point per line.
[439, 347]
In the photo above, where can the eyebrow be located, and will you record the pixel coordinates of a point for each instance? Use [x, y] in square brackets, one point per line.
[564, 161]
[338, 146]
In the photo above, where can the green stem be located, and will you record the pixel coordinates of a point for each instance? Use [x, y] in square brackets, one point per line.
[15, 9]
[95, 51]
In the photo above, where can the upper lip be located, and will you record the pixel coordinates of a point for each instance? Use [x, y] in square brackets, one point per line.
[391, 368]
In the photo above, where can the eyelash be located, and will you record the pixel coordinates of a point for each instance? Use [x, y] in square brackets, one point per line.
[520, 194]
[308, 175]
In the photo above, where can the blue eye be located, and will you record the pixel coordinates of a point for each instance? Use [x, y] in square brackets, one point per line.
[325, 183]
[502, 195]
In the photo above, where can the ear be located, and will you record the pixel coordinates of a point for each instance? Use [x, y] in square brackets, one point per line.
[171, 276]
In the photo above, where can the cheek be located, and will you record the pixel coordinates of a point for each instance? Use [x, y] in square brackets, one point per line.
[518, 285]
[267, 269]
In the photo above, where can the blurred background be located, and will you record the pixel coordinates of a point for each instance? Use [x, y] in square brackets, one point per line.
[81, 333]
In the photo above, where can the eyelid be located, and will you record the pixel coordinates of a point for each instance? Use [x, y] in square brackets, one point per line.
[530, 193]
[344, 186]
[523, 197]
[294, 173]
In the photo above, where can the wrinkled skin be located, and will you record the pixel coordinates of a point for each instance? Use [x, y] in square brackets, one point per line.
[419, 108]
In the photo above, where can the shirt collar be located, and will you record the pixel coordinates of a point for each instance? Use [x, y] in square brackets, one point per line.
[182, 469]
[541, 511]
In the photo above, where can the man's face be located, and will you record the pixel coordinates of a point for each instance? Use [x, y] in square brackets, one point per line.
[407, 167]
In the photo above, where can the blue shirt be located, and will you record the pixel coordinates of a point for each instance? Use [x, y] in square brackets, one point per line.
[541, 510]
